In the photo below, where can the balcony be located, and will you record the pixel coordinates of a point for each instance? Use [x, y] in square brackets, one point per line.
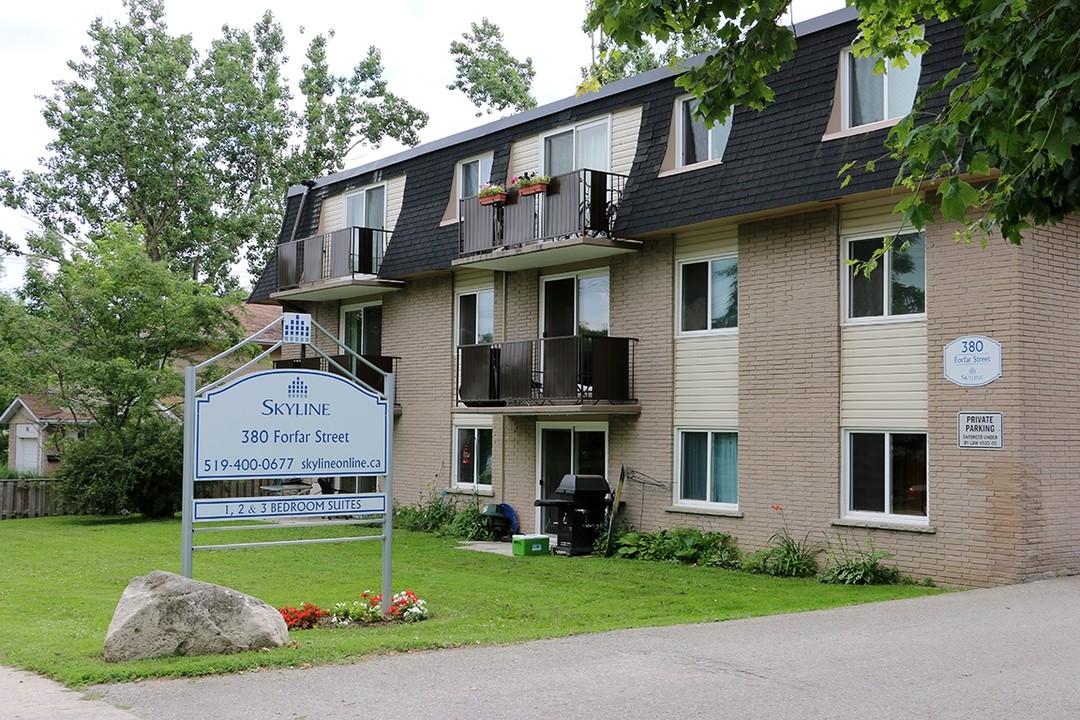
[549, 375]
[572, 222]
[341, 264]
[369, 377]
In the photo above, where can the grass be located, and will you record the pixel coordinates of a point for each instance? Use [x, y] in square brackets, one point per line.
[62, 577]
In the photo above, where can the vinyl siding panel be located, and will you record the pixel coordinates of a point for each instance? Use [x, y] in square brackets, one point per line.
[395, 192]
[707, 381]
[871, 217]
[704, 243]
[524, 157]
[883, 376]
[332, 216]
[466, 281]
[625, 127]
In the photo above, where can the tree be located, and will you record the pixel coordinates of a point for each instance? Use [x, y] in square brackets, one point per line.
[198, 152]
[109, 329]
[1010, 118]
[488, 74]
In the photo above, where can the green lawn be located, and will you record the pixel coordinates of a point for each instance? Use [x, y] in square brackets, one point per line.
[60, 580]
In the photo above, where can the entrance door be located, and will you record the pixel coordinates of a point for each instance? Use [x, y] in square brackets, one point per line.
[568, 449]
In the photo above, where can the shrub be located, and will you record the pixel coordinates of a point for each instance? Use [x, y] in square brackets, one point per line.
[857, 565]
[683, 545]
[441, 515]
[139, 467]
[784, 556]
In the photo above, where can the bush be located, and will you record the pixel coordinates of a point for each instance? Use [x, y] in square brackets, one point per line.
[683, 545]
[858, 565]
[441, 516]
[784, 556]
[138, 467]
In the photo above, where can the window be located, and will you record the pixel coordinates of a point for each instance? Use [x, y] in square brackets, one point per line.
[886, 474]
[472, 453]
[367, 208]
[709, 294]
[869, 97]
[576, 305]
[708, 467]
[476, 318]
[697, 143]
[472, 174]
[361, 328]
[904, 266]
[585, 146]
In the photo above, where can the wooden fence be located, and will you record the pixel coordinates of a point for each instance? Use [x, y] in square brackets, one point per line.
[36, 497]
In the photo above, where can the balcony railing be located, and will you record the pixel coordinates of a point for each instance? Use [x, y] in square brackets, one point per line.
[584, 202]
[341, 254]
[366, 375]
[571, 370]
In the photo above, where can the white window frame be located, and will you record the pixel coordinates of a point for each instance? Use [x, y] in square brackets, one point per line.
[676, 490]
[884, 266]
[846, 88]
[679, 332]
[459, 167]
[475, 425]
[354, 307]
[680, 136]
[577, 128]
[578, 276]
[363, 191]
[457, 311]
[845, 479]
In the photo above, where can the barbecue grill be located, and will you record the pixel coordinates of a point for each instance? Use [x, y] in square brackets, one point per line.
[581, 502]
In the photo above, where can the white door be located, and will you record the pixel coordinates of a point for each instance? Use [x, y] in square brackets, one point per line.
[26, 455]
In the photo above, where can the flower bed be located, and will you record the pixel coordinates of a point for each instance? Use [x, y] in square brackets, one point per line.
[367, 610]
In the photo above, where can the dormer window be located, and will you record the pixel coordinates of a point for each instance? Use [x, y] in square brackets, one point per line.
[696, 143]
[584, 146]
[367, 208]
[868, 97]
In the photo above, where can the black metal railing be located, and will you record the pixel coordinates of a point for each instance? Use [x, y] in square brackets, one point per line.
[369, 377]
[573, 370]
[339, 254]
[584, 202]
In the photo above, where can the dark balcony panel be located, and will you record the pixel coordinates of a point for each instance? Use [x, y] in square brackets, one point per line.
[479, 375]
[519, 218]
[562, 207]
[362, 371]
[516, 370]
[610, 368]
[312, 269]
[599, 201]
[311, 363]
[477, 227]
[561, 368]
[288, 265]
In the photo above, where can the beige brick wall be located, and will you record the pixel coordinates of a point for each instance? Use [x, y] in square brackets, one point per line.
[418, 328]
[789, 383]
[642, 306]
[1049, 359]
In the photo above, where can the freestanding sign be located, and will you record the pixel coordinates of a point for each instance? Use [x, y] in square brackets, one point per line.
[290, 423]
[973, 360]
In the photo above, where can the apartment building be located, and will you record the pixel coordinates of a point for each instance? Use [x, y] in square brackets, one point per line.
[678, 302]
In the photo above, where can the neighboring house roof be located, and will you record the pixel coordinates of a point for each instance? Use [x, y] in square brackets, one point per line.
[254, 318]
[40, 410]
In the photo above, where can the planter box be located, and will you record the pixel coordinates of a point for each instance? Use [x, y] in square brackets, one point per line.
[531, 545]
[532, 189]
[492, 199]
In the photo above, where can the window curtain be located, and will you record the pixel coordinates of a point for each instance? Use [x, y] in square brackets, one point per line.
[695, 462]
[725, 462]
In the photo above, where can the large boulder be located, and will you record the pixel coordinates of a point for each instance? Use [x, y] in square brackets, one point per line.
[166, 614]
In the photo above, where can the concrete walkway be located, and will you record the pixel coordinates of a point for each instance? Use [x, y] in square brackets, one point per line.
[1011, 652]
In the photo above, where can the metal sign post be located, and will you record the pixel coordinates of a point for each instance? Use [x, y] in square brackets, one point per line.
[289, 423]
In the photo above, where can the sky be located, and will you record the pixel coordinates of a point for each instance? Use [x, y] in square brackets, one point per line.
[37, 40]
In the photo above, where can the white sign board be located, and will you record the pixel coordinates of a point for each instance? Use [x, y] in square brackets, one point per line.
[973, 360]
[290, 423]
[261, 508]
[980, 431]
